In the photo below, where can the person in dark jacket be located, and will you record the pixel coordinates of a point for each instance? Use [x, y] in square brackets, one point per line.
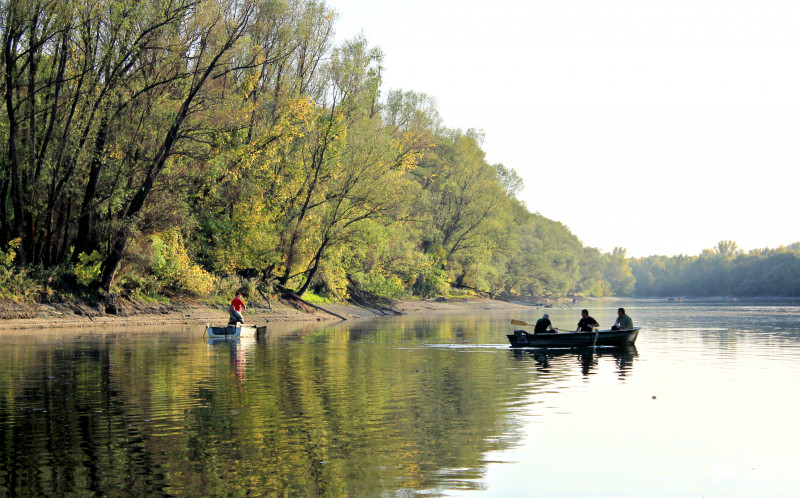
[543, 326]
[587, 323]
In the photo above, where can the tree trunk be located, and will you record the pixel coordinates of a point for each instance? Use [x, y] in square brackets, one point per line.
[82, 243]
[16, 184]
[313, 270]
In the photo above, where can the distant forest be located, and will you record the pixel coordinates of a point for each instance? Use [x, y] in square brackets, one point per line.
[196, 147]
[723, 271]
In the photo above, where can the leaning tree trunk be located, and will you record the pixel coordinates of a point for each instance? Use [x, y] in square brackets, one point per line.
[120, 241]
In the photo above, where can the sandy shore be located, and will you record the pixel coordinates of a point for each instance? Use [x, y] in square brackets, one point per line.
[47, 316]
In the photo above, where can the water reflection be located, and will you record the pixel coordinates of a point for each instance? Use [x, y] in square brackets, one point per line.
[336, 411]
[237, 353]
[586, 358]
[394, 406]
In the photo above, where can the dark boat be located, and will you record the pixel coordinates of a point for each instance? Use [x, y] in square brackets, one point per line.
[618, 338]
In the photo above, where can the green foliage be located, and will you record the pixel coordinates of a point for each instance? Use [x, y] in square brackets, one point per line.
[617, 273]
[727, 248]
[173, 267]
[225, 288]
[139, 286]
[543, 258]
[249, 288]
[433, 281]
[313, 298]
[382, 259]
[722, 271]
[9, 273]
[87, 270]
[386, 284]
[15, 283]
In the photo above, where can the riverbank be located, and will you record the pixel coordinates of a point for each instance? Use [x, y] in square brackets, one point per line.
[75, 315]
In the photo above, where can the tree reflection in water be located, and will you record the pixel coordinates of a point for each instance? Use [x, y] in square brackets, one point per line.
[331, 412]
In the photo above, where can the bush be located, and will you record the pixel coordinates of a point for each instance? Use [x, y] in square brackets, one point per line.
[142, 287]
[173, 266]
[316, 299]
[224, 288]
[388, 285]
[87, 270]
[15, 283]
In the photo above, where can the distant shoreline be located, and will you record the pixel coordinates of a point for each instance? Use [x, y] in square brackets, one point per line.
[191, 313]
[196, 314]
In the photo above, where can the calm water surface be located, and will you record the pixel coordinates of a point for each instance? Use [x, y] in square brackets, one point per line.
[704, 405]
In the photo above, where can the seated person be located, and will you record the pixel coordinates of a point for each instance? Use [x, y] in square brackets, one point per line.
[623, 322]
[543, 326]
[236, 308]
[587, 323]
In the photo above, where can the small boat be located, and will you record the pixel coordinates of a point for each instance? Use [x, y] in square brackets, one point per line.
[617, 338]
[232, 331]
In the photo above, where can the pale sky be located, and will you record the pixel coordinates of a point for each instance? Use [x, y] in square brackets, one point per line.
[660, 126]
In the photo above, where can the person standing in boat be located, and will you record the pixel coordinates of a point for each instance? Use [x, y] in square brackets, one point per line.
[586, 323]
[624, 322]
[237, 306]
[544, 326]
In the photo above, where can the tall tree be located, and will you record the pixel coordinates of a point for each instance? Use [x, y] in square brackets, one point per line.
[466, 202]
[204, 49]
[618, 273]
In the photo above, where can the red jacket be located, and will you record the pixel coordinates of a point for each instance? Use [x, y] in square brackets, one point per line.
[237, 304]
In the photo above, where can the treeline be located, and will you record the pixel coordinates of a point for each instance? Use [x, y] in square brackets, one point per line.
[723, 271]
[178, 145]
[197, 146]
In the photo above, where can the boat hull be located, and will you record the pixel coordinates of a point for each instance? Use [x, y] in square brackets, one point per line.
[617, 338]
[230, 331]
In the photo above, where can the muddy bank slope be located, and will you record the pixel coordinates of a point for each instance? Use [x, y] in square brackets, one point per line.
[184, 312]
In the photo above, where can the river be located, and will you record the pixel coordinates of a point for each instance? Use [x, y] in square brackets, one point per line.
[434, 405]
